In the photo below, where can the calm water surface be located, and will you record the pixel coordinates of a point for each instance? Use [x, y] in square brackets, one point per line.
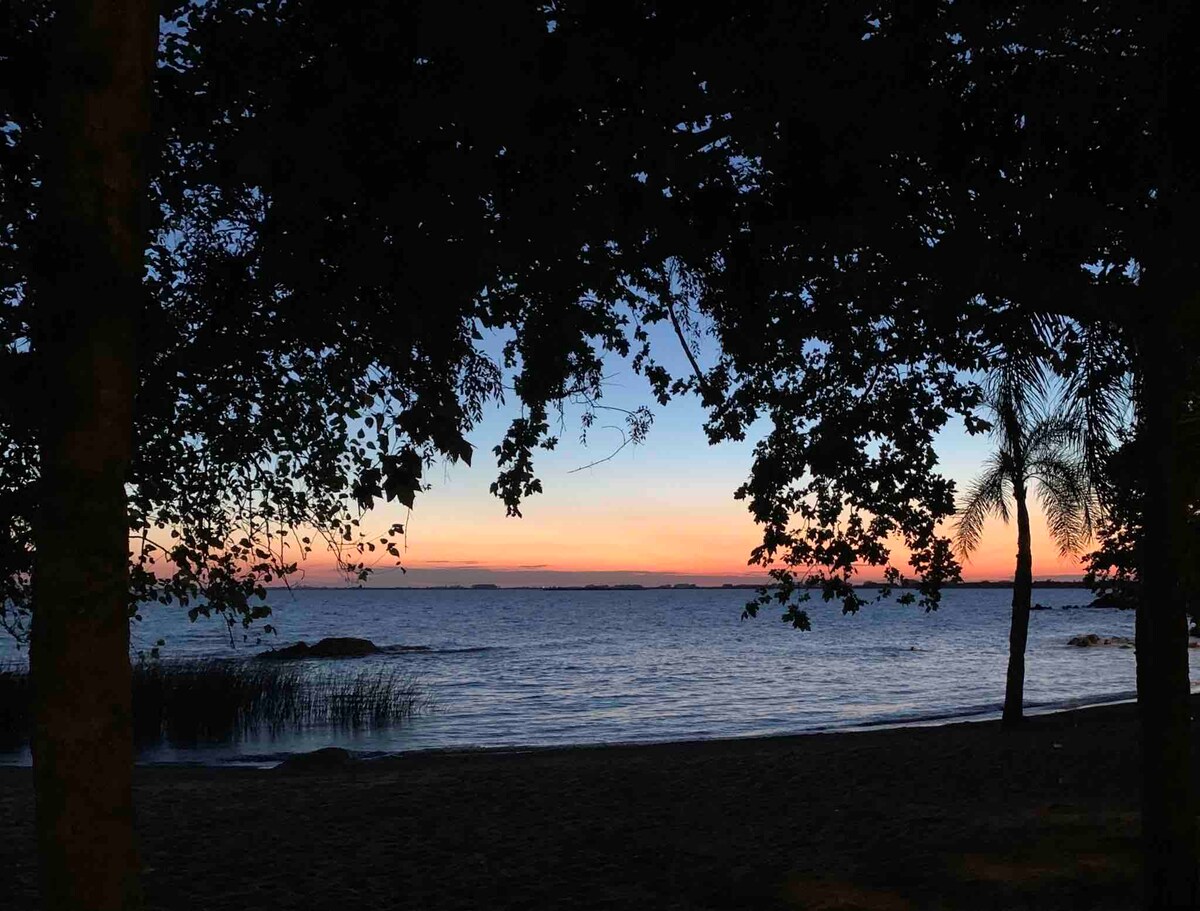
[512, 668]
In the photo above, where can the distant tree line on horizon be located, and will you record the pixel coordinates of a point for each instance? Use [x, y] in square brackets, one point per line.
[636, 586]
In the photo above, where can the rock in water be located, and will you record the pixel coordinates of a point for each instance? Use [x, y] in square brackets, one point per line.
[333, 647]
[343, 647]
[1091, 639]
[299, 650]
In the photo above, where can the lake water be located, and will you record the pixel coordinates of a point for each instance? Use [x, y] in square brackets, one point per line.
[512, 668]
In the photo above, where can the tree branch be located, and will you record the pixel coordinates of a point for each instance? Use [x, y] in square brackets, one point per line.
[611, 455]
[697, 372]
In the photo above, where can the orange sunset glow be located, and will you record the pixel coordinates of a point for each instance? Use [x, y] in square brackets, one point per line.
[658, 513]
[597, 542]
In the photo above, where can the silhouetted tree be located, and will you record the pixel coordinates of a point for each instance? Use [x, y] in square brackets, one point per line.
[1097, 170]
[1112, 569]
[245, 321]
[992, 165]
[865, 203]
[1036, 453]
[840, 325]
[73, 325]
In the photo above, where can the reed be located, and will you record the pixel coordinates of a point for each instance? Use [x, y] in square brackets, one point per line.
[187, 701]
[368, 698]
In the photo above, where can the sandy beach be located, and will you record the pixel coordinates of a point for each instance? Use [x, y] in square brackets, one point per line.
[960, 816]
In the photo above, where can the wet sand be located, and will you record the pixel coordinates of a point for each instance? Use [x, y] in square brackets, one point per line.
[960, 816]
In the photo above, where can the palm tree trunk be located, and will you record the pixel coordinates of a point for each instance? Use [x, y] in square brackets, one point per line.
[1018, 633]
[1168, 818]
[86, 291]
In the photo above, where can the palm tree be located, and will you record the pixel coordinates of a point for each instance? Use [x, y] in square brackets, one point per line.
[1036, 452]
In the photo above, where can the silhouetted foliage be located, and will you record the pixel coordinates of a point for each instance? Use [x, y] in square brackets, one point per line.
[338, 221]
[1112, 568]
[866, 206]
[1046, 173]
[1039, 451]
[995, 178]
[330, 206]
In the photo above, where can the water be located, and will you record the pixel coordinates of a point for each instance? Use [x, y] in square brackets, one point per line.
[514, 668]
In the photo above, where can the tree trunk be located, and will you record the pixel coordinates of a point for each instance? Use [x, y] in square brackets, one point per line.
[86, 289]
[1168, 818]
[1018, 633]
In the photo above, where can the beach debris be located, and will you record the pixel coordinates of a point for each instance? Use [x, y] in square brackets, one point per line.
[1091, 639]
[325, 759]
[332, 647]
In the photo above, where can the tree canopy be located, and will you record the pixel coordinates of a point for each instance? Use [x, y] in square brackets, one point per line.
[336, 221]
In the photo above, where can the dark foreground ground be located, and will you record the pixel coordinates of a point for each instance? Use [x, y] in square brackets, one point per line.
[963, 816]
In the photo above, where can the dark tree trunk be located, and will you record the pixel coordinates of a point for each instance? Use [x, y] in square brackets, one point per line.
[1018, 633]
[1164, 328]
[1168, 819]
[86, 290]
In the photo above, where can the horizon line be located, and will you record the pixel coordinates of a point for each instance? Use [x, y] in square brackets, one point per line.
[1048, 582]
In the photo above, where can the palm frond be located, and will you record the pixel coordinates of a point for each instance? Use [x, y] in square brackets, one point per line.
[987, 495]
[1050, 431]
[1066, 497]
[1015, 388]
[1097, 391]
[1057, 434]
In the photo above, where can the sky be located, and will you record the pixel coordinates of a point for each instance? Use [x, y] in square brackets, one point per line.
[657, 513]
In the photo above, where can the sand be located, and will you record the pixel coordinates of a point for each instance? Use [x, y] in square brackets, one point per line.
[959, 816]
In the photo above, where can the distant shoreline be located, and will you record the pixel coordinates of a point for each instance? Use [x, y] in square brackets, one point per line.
[626, 587]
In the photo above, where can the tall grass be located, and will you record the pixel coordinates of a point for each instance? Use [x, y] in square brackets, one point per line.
[368, 698]
[189, 701]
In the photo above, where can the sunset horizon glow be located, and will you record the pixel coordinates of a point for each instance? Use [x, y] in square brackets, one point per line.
[994, 562]
[661, 512]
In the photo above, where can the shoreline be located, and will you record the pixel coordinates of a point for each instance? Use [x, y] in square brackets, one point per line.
[955, 815]
[971, 715]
